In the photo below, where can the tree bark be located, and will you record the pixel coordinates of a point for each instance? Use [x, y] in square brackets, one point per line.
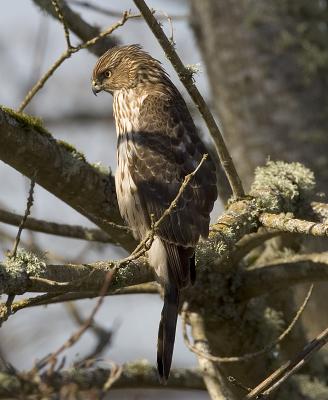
[267, 66]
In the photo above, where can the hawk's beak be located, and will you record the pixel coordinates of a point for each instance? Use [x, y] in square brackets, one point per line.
[96, 87]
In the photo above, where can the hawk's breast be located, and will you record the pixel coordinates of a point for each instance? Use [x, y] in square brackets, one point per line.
[126, 112]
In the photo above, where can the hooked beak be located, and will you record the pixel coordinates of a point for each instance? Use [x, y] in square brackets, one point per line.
[96, 87]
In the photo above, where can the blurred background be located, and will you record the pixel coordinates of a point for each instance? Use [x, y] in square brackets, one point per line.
[30, 41]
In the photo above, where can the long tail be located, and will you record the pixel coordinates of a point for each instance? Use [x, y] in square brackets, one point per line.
[166, 331]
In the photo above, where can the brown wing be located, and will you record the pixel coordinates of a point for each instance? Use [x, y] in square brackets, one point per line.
[165, 150]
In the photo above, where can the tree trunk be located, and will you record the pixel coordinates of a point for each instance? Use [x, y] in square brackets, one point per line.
[267, 64]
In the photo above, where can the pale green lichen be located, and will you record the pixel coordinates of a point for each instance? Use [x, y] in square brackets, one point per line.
[103, 169]
[194, 68]
[71, 149]
[281, 186]
[25, 261]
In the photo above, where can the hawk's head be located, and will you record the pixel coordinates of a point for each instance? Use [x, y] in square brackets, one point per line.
[125, 67]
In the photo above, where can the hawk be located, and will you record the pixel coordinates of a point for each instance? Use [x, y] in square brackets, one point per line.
[157, 146]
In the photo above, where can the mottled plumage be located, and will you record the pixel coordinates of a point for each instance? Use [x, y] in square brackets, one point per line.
[157, 147]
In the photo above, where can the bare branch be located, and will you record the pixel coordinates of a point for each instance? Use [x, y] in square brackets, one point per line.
[53, 228]
[282, 274]
[186, 78]
[103, 336]
[29, 204]
[67, 54]
[80, 27]
[113, 13]
[53, 298]
[63, 22]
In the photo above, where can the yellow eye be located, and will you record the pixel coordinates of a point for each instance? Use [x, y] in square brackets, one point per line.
[108, 74]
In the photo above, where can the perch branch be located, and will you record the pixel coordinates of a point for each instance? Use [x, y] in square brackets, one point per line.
[21, 277]
[26, 146]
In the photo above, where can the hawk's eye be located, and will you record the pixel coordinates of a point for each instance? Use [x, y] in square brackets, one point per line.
[108, 74]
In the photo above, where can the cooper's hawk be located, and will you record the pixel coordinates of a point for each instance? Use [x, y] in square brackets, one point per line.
[157, 146]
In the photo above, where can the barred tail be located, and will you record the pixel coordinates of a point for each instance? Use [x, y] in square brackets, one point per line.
[166, 331]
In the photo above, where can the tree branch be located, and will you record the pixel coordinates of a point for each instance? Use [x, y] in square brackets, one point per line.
[286, 223]
[80, 27]
[53, 228]
[26, 146]
[186, 78]
[214, 381]
[26, 273]
[134, 375]
[283, 274]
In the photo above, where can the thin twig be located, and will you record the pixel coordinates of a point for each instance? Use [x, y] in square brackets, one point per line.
[26, 214]
[67, 54]
[247, 356]
[146, 243]
[186, 78]
[60, 297]
[113, 13]
[103, 335]
[63, 22]
[53, 228]
[52, 358]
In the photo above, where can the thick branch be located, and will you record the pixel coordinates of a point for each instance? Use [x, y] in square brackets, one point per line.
[18, 276]
[282, 274]
[77, 25]
[134, 375]
[63, 171]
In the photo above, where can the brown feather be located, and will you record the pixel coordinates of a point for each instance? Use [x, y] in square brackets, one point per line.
[158, 146]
